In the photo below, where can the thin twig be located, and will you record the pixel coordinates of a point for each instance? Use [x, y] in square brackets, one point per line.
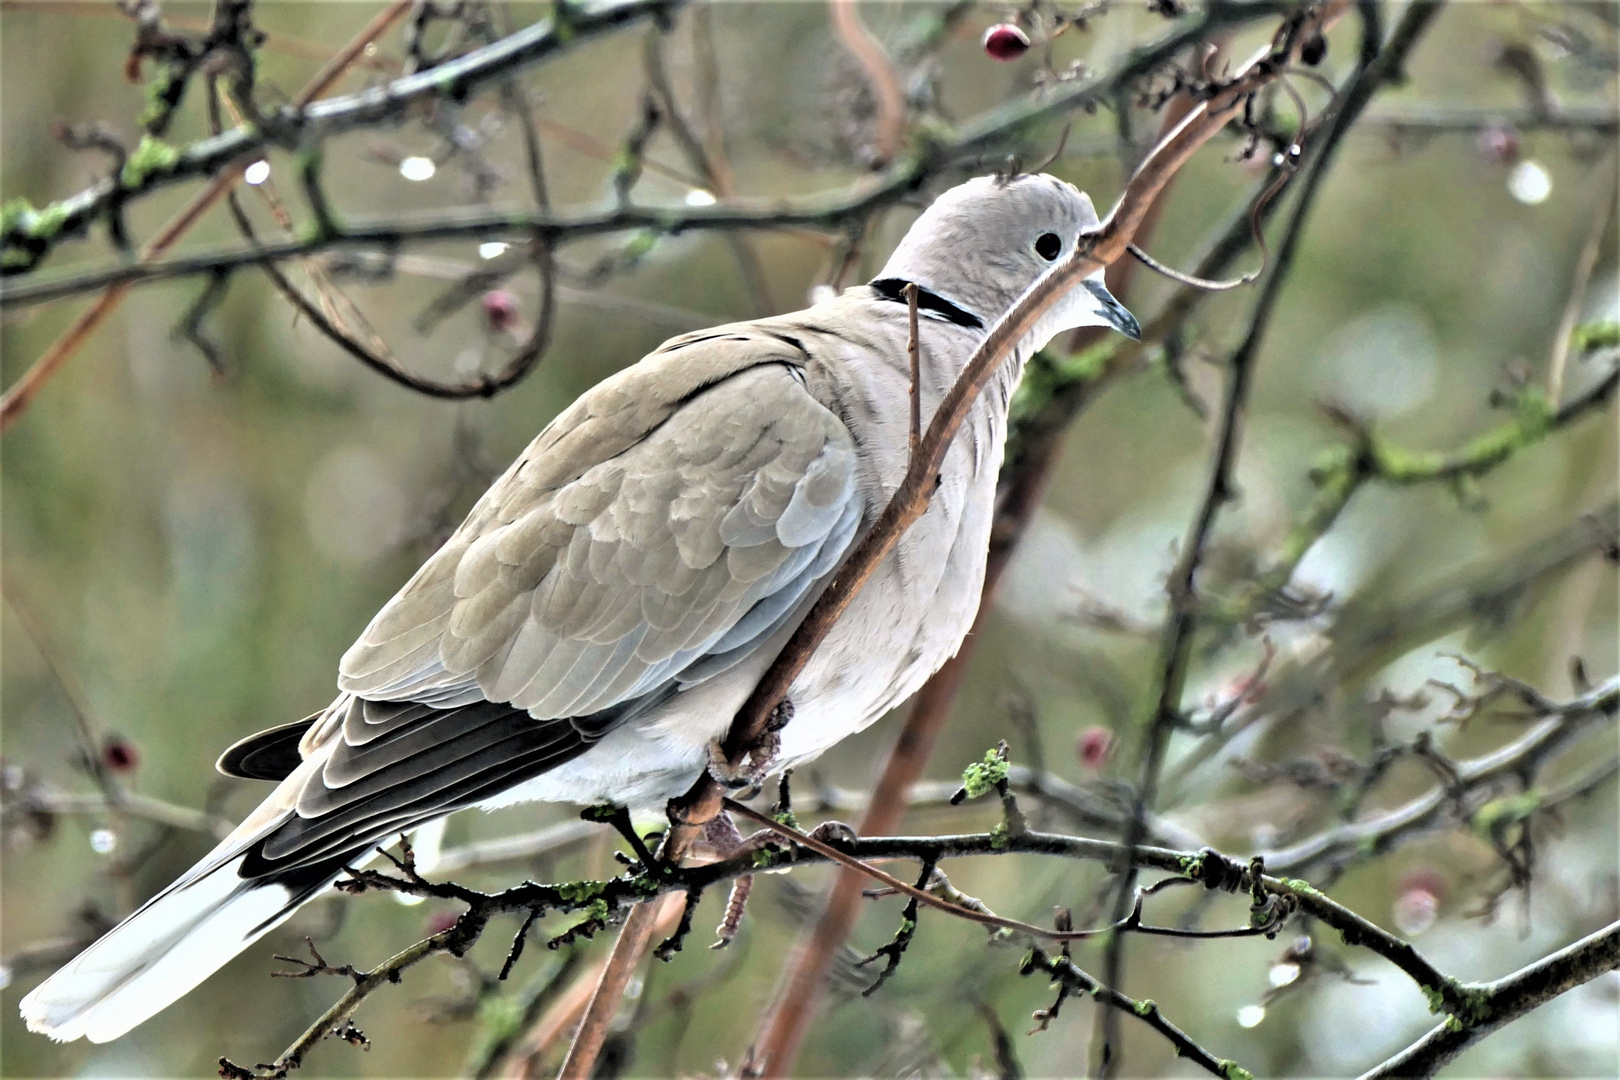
[1074, 980]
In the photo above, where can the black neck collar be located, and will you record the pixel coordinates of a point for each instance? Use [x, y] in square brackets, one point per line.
[892, 289]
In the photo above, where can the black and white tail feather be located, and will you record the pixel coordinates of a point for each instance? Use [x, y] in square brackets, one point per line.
[376, 769]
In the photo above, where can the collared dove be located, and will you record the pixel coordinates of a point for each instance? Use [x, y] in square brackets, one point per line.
[595, 623]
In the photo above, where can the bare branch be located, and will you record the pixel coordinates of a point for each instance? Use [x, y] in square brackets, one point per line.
[1489, 1006]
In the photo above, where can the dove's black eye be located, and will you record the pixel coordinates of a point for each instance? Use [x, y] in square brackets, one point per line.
[1047, 245]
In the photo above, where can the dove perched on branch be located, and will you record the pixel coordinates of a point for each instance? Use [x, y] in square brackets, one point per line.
[590, 630]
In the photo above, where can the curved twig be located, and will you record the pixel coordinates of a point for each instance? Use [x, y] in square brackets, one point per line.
[887, 97]
[1197, 282]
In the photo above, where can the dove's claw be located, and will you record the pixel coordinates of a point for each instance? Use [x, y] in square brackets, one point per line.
[720, 770]
[834, 833]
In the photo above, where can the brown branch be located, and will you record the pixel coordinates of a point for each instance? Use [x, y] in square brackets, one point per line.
[19, 394]
[784, 1024]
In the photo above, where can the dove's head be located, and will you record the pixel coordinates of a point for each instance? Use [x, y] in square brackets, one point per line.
[982, 243]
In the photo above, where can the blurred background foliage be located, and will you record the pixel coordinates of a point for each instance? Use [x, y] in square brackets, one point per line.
[188, 553]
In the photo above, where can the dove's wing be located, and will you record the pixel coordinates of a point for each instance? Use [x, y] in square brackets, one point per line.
[675, 513]
[651, 537]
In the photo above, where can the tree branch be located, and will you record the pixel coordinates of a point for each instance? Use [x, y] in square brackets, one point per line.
[306, 118]
[829, 212]
[1489, 1006]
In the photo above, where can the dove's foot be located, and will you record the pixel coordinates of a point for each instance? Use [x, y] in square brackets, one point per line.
[720, 770]
[761, 756]
[720, 833]
[834, 834]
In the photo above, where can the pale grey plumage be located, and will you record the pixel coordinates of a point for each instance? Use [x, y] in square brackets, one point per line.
[613, 598]
[635, 535]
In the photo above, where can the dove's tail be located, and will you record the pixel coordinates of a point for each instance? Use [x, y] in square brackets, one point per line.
[294, 845]
[175, 941]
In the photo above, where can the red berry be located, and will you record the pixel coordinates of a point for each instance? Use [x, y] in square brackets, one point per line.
[1093, 745]
[1498, 144]
[500, 308]
[117, 755]
[1418, 896]
[1004, 41]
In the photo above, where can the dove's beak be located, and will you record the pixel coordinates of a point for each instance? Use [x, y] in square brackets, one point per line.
[1111, 312]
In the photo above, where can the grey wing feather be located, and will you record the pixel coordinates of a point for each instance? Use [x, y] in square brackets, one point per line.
[692, 521]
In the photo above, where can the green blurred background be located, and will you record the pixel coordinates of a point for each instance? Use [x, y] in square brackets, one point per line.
[196, 551]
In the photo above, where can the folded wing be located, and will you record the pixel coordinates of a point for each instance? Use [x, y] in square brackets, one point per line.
[600, 569]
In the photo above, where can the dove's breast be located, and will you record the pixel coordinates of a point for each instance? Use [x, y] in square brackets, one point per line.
[912, 615]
